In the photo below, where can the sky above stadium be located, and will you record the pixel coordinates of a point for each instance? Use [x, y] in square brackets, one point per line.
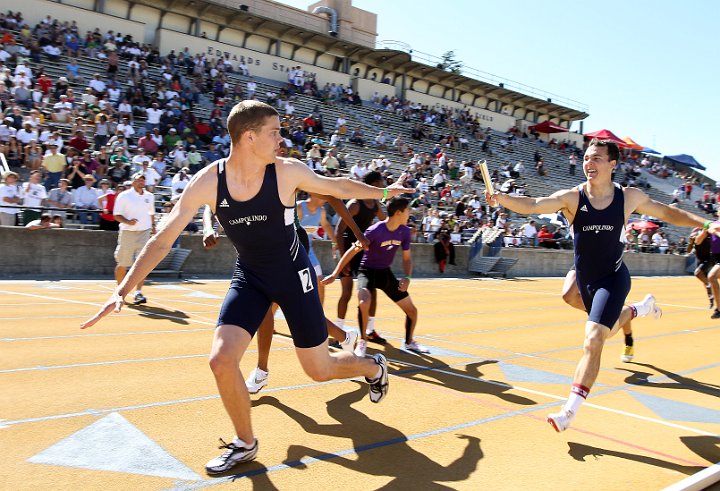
[647, 69]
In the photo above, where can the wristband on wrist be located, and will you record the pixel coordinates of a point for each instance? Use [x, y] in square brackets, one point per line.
[706, 225]
[385, 194]
[408, 277]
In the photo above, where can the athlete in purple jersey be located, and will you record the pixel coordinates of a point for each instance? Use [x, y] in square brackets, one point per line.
[385, 237]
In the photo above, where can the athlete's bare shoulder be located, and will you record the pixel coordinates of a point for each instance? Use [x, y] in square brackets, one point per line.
[202, 188]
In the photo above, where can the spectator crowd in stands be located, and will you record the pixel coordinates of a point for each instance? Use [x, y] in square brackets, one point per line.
[79, 132]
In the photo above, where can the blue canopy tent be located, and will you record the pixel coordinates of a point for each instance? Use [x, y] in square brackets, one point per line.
[686, 160]
[650, 151]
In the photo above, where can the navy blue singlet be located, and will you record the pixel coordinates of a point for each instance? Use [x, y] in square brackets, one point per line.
[271, 266]
[602, 277]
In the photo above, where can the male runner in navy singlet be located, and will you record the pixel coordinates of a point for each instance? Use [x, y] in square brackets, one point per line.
[598, 211]
[253, 195]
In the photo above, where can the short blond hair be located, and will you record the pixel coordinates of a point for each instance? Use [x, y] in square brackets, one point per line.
[248, 116]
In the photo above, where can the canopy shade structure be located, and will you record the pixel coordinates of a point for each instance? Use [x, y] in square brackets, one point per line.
[643, 225]
[686, 160]
[606, 135]
[548, 127]
[630, 143]
[650, 150]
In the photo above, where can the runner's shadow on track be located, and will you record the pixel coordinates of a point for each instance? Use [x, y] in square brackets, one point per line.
[377, 449]
[175, 316]
[255, 471]
[579, 452]
[706, 447]
[678, 381]
[436, 372]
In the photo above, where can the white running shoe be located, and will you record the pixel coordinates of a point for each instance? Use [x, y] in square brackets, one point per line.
[653, 308]
[350, 339]
[235, 454]
[257, 380]
[361, 348]
[561, 421]
[379, 386]
[415, 347]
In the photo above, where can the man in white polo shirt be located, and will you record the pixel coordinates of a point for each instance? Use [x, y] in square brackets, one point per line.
[135, 211]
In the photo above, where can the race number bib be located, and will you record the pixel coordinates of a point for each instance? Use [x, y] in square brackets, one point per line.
[306, 280]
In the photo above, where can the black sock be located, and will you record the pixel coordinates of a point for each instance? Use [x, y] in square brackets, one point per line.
[628, 340]
[408, 326]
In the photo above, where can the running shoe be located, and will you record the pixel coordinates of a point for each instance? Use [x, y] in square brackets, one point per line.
[350, 339]
[415, 347]
[235, 454]
[561, 421]
[628, 354]
[379, 386]
[139, 299]
[361, 348]
[653, 308]
[716, 314]
[257, 380]
[374, 337]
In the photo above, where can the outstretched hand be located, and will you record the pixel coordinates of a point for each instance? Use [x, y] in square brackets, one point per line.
[397, 188]
[328, 279]
[114, 303]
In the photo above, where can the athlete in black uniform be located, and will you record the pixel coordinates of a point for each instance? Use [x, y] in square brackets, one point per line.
[700, 241]
[252, 192]
[598, 211]
[363, 212]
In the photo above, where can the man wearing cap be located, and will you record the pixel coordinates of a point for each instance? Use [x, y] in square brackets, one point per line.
[171, 139]
[10, 194]
[135, 210]
[119, 172]
[62, 110]
[54, 164]
[194, 160]
[86, 198]
[60, 197]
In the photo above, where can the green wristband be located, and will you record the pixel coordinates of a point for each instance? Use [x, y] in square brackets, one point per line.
[706, 225]
[408, 277]
[385, 193]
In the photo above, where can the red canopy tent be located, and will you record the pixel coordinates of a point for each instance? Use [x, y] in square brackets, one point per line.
[548, 127]
[643, 225]
[606, 135]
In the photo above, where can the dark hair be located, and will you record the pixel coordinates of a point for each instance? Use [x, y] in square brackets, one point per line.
[248, 116]
[372, 177]
[612, 148]
[397, 204]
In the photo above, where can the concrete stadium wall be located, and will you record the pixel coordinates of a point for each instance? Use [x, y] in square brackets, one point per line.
[496, 121]
[260, 64]
[68, 253]
[543, 262]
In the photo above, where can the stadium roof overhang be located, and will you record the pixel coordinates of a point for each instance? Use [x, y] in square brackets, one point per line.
[395, 61]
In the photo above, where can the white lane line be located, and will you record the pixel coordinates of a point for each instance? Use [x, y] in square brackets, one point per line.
[166, 316]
